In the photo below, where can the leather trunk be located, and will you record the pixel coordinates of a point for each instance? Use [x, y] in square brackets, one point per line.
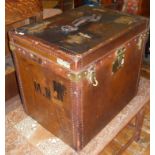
[76, 71]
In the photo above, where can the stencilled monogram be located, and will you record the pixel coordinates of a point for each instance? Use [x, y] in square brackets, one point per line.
[58, 90]
[45, 91]
[37, 87]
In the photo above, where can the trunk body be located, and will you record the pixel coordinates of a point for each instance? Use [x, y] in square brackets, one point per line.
[74, 80]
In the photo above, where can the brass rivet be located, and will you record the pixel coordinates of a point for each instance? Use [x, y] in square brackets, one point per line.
[75, 93]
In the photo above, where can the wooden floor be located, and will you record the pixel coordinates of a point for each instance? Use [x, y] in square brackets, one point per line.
[142, 147]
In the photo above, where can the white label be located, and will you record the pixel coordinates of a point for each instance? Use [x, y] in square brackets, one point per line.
[63, 63]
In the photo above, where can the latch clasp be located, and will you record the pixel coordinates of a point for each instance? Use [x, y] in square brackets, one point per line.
[89, 74]
[92, 77]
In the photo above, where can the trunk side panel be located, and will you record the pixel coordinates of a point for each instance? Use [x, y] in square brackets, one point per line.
[113, 92]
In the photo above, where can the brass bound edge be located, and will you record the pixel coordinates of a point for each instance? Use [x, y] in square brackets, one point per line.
[89, 74]
[76, 77]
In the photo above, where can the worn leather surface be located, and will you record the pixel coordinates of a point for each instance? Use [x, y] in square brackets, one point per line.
[76, 111]
[88, 35]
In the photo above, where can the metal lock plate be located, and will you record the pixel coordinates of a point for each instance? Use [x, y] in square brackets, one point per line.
[119, 60]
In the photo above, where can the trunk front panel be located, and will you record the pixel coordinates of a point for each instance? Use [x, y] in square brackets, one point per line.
[46, 96]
